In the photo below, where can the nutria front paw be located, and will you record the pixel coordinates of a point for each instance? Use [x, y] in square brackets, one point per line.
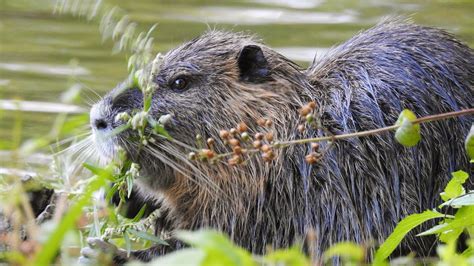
[46, 214]
[99, 250]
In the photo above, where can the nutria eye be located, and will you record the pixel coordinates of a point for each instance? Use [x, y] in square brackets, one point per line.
[179, 84]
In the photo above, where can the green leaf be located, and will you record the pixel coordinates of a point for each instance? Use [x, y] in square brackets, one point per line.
[348, 250]
[464, 200]
[291, 257]
[160, 130]
[408, 134]
[454, 187]
[139, 214]
[469, 252]
[464, 217]
[147, 236]
[135, 78]
[111, 192]
[434, 229]
[129, 180]
[102, 172]
[451, 235]
[147, 104]
[469, 144]
[128, 243]
[13, 258]
[118, 130]
[219, 249]
[187, 256]
[121, 193]
[403, 228]
[446, 236]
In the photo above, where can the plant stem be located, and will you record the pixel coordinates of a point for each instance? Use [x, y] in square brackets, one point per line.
[420, 120]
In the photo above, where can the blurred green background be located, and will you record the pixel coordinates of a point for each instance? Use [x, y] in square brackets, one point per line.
[42, 54]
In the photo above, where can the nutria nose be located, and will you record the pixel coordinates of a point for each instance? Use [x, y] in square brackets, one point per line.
[100, 124]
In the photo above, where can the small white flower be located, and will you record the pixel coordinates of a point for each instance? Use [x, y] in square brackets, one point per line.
[138, 120]
[123, 116]
[134, 170]
[165, 119]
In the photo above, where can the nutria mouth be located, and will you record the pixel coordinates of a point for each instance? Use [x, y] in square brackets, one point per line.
[361, 187]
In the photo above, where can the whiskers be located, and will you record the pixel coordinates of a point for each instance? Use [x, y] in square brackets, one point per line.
[68, 162]
[100, 148]
[170, 153]
[90, 96]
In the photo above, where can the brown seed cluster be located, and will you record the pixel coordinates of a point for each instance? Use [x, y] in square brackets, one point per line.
[315, 155]
[308, 120]
[241, 143]
[244, 144]
[307, 116]
[236, 138]
[264, 122]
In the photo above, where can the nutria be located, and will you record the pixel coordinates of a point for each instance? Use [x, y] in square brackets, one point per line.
[357, 191]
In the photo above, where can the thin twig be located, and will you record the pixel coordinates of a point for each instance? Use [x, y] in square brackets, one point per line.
[420, 120]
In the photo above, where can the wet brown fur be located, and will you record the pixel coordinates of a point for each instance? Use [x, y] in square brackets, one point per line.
[360, 189]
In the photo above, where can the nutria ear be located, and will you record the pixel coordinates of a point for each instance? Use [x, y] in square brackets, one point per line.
[253, 65]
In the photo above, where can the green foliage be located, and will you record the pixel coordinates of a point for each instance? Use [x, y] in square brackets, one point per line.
[466, 199]
[209, 247]
[350, 252]
[292, 256]
[469, 144]
[401, 230]
[454, 188]
[50, 247]
[408, 134]
[448, 230]
[217, 247]
[146, 236]
[188, 256]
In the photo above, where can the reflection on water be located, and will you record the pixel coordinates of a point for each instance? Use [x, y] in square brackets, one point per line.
[256, 16]
[45, 69]
[301, 4]
[36, 47]
[42, 107]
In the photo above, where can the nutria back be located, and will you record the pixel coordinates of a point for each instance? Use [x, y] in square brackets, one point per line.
[358, 190]
[366, 82]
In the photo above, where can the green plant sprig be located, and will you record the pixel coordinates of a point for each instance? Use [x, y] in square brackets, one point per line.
[407, 133]
[425, 119]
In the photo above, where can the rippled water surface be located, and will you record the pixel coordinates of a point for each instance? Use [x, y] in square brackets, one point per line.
[43, 54]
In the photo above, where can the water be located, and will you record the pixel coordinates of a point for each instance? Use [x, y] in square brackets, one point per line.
[42, 54]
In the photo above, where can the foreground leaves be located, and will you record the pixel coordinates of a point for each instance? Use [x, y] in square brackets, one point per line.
[469, 144]
[349, 251]
[454, 188]
[401, 230]
[218, 248]
[209, 247]
[51, 246]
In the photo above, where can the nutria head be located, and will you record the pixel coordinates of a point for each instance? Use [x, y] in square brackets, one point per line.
[210, 83]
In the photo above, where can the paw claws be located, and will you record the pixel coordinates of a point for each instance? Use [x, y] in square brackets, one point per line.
[88, 252]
